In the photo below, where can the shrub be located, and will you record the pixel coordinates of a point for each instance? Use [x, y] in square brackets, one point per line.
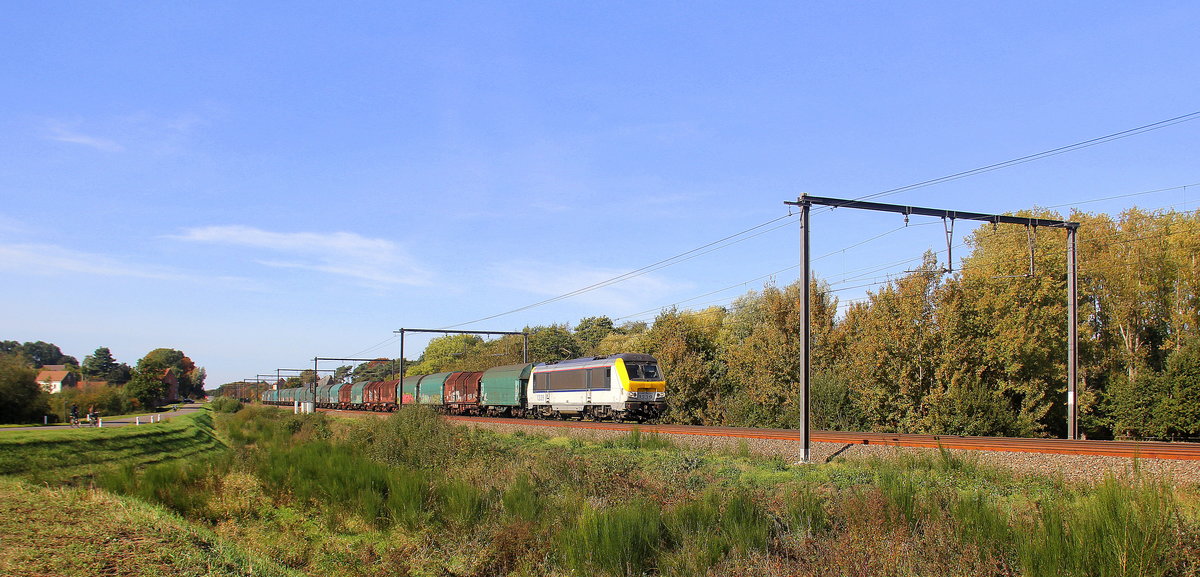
[226, 405]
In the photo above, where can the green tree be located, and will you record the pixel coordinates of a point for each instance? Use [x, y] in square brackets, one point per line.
[146, 387]
[591, 330]
[39, 353]
[376, 370]
[1180, 405]
[42, 354]
[99, 365]
[446, 353]
[761, 343]
[552, 343]
[21, 398]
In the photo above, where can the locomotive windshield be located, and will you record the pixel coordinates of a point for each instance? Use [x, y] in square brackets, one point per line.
[643, 371]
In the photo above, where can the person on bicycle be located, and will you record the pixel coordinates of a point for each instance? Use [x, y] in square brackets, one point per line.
[93, 416]
[74, 414]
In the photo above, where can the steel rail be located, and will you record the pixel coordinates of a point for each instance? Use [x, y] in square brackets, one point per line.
[1130, 449]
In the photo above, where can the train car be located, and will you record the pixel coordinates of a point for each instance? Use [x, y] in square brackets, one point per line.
[323, 391]
[335, 395]
[306, 395]
[356, 395]
[343, 401]
[502, 390]
[622, 386]
[408, 392]
[381, 395]
[461, 393]
[430, 389]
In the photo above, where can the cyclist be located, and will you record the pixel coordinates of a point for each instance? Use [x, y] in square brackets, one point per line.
[74, 415]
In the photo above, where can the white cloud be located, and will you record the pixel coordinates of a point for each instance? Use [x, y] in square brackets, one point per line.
[46, 259]
[52, 260]
[60, 133]
[376, 261]
[634, 293]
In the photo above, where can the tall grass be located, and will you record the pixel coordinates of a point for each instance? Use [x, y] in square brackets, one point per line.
[1120, 528]
[521, 499]
[621, 540]
[636, 439]
[902, 493]
[414, 437]
[462, 503]
[806, 511]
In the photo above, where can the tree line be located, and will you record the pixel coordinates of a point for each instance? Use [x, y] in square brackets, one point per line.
[981, 350]
[977, 351]
[109, 386]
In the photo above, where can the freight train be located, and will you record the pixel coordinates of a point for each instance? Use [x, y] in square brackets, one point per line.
[627, 386]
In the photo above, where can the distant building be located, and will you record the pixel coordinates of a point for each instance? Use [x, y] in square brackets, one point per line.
[172, 383]
[87, 385]
[53, 381]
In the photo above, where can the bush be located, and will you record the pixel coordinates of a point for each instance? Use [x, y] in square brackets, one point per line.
[226, 405]
[414, 437]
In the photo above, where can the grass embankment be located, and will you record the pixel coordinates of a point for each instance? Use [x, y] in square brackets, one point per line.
[412, 495]
[49, 525]
[62, 455]
[75, 531]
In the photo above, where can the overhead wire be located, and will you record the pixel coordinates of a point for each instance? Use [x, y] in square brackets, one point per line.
[1040, 155]
[688, 255]
[874, 268]
[955, 176]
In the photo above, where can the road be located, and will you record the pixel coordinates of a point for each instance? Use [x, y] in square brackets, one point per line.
[116, 421]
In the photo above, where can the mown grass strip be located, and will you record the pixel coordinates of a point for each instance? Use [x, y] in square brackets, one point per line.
[65, 454]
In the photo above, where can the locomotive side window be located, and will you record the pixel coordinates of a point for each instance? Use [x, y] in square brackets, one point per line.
[541, 381]
[569, 380]
[600, 379]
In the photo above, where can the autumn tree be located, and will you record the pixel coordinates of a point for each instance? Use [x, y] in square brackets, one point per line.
[685, 345]
[156, 363]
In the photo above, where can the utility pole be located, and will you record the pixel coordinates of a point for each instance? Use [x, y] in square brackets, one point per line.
[805, 334]
[805, 201]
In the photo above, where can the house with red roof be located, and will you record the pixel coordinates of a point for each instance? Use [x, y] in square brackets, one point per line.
[53, 381]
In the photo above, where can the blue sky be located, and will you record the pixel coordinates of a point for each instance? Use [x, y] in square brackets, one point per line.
[257, 184]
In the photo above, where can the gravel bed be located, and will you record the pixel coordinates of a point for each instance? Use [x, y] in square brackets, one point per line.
[1075, 468]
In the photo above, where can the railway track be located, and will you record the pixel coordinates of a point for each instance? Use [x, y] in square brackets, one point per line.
[1128, 449]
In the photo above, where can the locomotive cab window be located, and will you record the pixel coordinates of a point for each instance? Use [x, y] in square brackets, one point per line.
[643, 372]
